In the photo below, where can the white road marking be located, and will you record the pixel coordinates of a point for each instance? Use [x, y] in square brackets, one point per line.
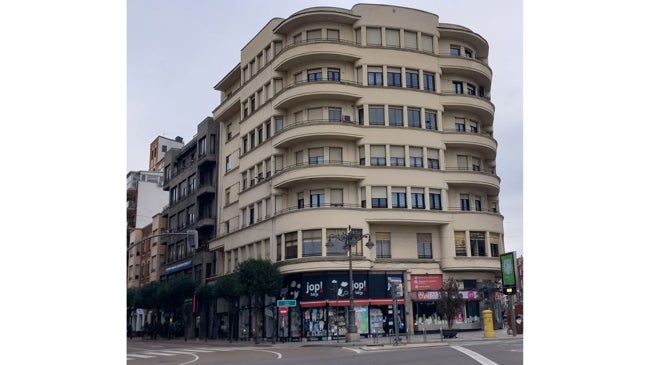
[180, 352]
[140, 356]
[476, 356]
[279, 355]
[158, 354]
[358, 351]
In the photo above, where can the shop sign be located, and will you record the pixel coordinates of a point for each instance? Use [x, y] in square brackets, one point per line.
[284, 311]
[426, 282]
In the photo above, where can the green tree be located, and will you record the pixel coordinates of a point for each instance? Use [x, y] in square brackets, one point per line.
[258, 278]
[228, 288]
[450, 302]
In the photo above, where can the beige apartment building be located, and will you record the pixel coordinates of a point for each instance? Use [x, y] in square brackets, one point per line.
[375, 119]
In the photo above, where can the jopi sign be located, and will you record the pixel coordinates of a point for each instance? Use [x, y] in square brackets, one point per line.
[314, 290]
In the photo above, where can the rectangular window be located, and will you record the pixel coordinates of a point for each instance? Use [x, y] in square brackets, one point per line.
[394, 77]
[297, 38]
[473, 126]
[202, 146]
[430, 120]
[427, 43]
[277, 47]
[375, 75]
[334, 114]
[376, 114]
[469, 53]
[417, 198]
[317, 198]
[415, 157]
[429, 82]
[316, 156]
[454, 50]
[435, 200]
[395, 116]
[477, 204]
[382, 247]
[297, 77]
[373, 36]
[278, 164]
[357, 36]
[333, 34]
[414, 118]
[362, 196]
[392, 37]
[476, 164]
[379, 199]
[313, 35]
[460, 125]
[228, 163]
[433, 161]
[251, 215]
[458, 87]
[336, 197]
[410, 40]
[495, 241]
[312, 243]
[361, 115]
[471, 89]
[334, 74]
[301, 200]
[412, 79]
[462, 162]
[314, 114]
[314, 75]
[260, 135]
[398, 197]
[291, 245]
[267, 130]
[377, 155]
[397, 156]
[336, 154]
[252, 104]
[277, 85]
[279, 124]
[477, 243]
[464, 202]
[299, 160]
[362, 155]
[459, 237]
[337, 248]
[424, 245]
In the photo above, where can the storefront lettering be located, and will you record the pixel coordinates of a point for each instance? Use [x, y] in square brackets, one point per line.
[314, 289]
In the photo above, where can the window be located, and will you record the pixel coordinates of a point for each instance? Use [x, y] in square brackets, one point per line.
[278, 164]
[244, 179]
[336, 197]
[477, 204]
[473, 126]
[397, 156]
[312, 243]
[379, 199]
[398, 197]
[299, 158]
[417, 198]
[412, 79]
[410, 40]
[291, 245]
[228, 163]
[251, 215]
[377, 155]
[244, 141]
[333, 34]
[460, 125]
[336, 154]
[471, 89]
[454, 50]
[476, 164]
[394, 77]
[427, 43]
[334, 114]
[469, 53]
[414, 118]
[267, 167]
[435, 200]
[337, 249]
[415, 157]
[317, 198]
[202, 146]
[252, 104]
[395, 116]
[301, 200]
[297, 38]
[313, 35]
[462, 162]
[464, 201]
[362, 195]
[316, 156]
[373, 36]
[277, 84]
[278, 248]
[459, 238]
[376, 114]
[314, 114]
[314, 75]
[260, 135]
[361, 115]
[267, 130]
[433, 161]
[383, 245]
[227, 196]
[392, 37]
[334, 74]
[362, 155]
[278, 124]
[477, 243]
[297, 77]
[430, 120]
[458, 87]
[228, 132]
[375, 75]
[481, 91]
[429, 82]
[357, 36]
[277, 47]
[424, 245]
[495, 241]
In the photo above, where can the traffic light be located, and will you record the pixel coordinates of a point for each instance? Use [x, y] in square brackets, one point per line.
[508, 290]
[193, 238]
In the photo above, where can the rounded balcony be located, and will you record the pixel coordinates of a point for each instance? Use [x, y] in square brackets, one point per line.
[326, 171]
[316, 51]
[300, 132]
[306, 91]
[484, 179]
[485, 144]
[465, 66]
[480, 106]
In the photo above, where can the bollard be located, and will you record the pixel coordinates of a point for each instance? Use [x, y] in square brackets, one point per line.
[488, 331]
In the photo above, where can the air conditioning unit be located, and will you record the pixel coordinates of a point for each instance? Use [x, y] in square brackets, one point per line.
[347, 118]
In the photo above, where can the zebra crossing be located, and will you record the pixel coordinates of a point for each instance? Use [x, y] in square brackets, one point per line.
[149, 354]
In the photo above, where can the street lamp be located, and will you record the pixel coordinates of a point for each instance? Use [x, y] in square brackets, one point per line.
[349, 239]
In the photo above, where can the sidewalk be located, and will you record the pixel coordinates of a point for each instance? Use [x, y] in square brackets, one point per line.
[419, 340]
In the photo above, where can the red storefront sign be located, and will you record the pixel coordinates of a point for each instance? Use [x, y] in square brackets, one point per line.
[426, 282]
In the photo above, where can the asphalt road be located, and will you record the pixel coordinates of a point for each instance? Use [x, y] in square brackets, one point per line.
[197, 353]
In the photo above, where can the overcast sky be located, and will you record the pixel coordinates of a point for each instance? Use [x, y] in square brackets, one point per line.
[178, 50]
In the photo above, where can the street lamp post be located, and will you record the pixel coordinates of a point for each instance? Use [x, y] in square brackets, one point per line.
[349, 239]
